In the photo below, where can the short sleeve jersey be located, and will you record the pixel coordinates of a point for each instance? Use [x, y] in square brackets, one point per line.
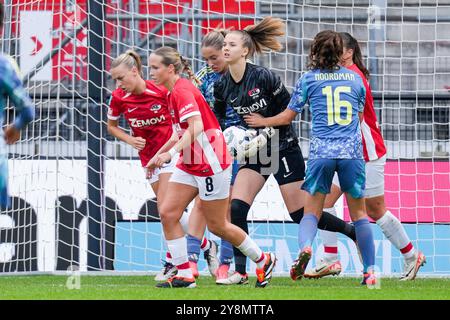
[208, 78]
[208, 154]
[373, 142]
[147, 115]
[259, 91]
[335, 98]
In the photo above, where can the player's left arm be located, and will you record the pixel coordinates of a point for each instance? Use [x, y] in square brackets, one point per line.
[279, 97]
[19, 97]
[151, 165]
[255, 120]
[295, 106]
[195, 128]
[170, 143]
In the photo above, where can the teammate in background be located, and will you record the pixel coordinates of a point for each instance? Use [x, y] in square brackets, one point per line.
[11, 86]
[205, 79]
[204, 169]
[336, 98]
[375, 158]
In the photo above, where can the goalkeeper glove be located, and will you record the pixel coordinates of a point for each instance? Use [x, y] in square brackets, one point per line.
[257, 142]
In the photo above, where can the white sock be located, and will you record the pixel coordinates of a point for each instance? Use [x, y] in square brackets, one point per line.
[184, 220]
[394, 231]
[251, 250]
[185, 273]
[178, 250]
[329, 240]
[166, 248]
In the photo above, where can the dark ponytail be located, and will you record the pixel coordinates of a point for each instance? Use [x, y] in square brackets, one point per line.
[352, 43]
[188, 70]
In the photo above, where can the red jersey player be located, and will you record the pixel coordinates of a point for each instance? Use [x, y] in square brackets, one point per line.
[204, 168]
[144, 106]
[375, 156]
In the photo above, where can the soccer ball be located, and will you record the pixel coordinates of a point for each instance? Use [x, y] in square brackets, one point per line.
[236, 137]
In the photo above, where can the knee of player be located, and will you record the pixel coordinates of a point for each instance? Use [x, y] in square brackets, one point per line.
[329, 202]
[217, 227]
[168, 215]
[375, 209]
[197, 206]
[357, 214]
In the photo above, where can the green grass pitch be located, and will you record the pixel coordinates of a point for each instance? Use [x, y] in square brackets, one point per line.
[281, 288]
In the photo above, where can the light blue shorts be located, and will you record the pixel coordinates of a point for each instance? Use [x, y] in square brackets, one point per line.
[351, 173]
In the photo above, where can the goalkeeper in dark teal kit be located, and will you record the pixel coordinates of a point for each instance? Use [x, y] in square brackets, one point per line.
[11, 87]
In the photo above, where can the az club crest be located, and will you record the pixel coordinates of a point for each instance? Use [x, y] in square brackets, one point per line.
[155, 107]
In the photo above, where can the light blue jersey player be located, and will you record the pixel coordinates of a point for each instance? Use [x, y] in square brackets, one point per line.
[336, 98]
[11, 87]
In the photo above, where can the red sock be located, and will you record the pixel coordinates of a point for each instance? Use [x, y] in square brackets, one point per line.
[407, 249]
[330, 253]
[205, 242]
[263, 256]
[183, 266]
[332, 250]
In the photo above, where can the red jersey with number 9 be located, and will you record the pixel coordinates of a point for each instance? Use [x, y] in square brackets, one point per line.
[208, 154]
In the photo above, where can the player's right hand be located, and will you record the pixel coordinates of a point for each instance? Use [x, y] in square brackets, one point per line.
[151, 165]
[149, 172]
[138, 143]
[255, 120]
[12, 135]
[252, 147]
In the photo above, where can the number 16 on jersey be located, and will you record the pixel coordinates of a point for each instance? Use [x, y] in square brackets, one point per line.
[335, 104]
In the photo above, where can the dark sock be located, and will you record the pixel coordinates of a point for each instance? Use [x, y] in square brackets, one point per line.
[297, 216]
[239, 211]
[328, 222]
[332, 223]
